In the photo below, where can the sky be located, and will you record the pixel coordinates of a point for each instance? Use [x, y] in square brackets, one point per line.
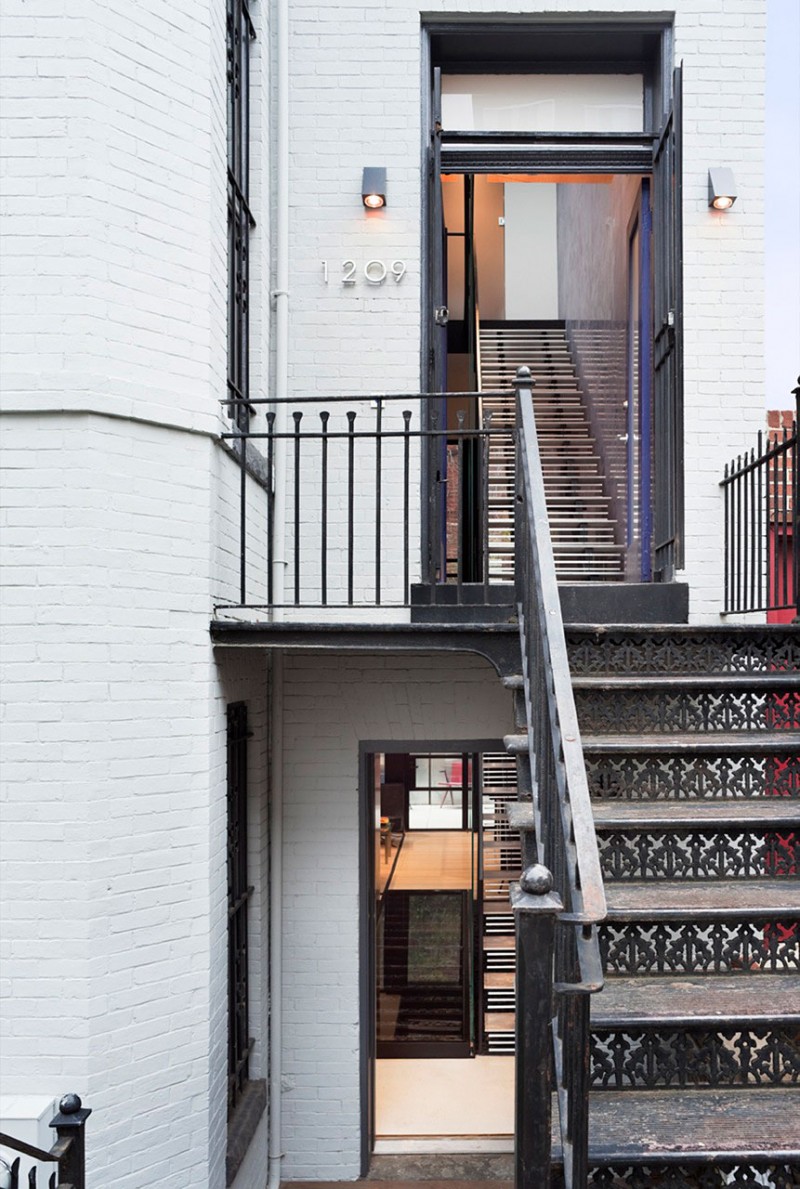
[782, 202]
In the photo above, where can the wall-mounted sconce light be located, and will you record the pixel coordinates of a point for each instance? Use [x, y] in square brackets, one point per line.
[373, 187]
[721, 188]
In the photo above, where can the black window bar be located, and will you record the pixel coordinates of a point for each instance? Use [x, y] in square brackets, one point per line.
[239, 893]
[240, 32]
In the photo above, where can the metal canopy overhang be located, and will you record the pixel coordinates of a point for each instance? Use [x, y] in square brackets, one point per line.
[543, 152]
[470, 44]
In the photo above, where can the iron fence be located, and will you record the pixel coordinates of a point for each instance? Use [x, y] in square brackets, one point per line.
[358, 531]
[68, 1153]
[762, 555]
[564, 827]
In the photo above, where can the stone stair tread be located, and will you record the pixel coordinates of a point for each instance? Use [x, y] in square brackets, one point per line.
[515, 743]
[644, 1127]
[769, 812]
[671, 681]
[696, 998]
[671, 900]
[520, 815]
[735, 742]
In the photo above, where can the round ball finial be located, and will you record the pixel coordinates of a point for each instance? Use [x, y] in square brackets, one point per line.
[537, 880]
[70, 1104]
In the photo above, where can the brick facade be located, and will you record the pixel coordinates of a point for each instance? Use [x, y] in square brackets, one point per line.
[120, 523]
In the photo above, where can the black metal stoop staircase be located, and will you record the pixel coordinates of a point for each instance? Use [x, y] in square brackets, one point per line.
[691, 738]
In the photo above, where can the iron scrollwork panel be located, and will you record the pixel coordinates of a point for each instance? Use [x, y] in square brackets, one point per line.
[698, 653]
[668, 711]
[699, 854]
[677, 1058]
[700, 947]
[686, 776]
[720, 1175]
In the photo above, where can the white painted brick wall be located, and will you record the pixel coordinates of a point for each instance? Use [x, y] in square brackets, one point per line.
[114, 792]
[114, 140]
[332, 702]
[118, 535]
[356, 101]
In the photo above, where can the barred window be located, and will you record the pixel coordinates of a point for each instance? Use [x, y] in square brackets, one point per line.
[240, 219]
[239, 893]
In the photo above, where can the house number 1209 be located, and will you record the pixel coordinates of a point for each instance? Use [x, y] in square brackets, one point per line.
[374, 272]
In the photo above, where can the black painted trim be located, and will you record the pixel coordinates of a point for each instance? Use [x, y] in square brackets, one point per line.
[498, 643]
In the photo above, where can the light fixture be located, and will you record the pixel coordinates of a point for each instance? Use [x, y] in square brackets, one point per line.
[721, 188]
[373, 187]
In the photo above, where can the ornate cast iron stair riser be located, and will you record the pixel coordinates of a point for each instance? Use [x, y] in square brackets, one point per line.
[692, 745]
[683, 651]
[630, 712]
[700, 854]
[693, 775]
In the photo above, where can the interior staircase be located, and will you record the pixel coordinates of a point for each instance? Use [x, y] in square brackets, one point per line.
[586, 542]
[692, 745]
[501, 864]
[422, 971]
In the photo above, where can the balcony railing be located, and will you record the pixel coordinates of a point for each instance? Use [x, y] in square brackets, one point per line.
[68, 1153]
[355, 529]
[762, 503]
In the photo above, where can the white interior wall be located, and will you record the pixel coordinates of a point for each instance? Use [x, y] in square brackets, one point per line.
[489, 249]
[531, 250]
[543, 103]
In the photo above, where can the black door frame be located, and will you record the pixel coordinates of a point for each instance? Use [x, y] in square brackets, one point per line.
[601, 45]
[366, 931]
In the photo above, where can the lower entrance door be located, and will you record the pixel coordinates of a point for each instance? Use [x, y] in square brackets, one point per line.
[440, 1001]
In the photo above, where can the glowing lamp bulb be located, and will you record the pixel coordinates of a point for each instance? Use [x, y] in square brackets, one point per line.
[374, 201]
[722, 203]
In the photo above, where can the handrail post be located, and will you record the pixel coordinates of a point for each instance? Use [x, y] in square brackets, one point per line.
[535, 907]
[69, 1124]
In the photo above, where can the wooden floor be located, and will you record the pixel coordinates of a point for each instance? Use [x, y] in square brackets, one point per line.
[434, 860]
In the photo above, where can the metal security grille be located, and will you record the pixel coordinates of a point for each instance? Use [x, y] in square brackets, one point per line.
[240, 219]
[239, 893]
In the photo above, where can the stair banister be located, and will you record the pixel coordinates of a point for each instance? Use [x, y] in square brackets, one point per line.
[564, 826]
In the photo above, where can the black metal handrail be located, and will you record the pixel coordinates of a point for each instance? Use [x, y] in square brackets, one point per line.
[354, 511]
[68, 1152]
[562, 812]
[762, 504]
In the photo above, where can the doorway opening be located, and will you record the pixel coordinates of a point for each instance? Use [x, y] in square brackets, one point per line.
[551, 272]
[441, 934]
[554, 238]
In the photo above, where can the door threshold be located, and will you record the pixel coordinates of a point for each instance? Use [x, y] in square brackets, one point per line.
[431, 1145]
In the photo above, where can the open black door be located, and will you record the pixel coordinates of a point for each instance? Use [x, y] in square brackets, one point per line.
[668, 510]
[435, 563]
